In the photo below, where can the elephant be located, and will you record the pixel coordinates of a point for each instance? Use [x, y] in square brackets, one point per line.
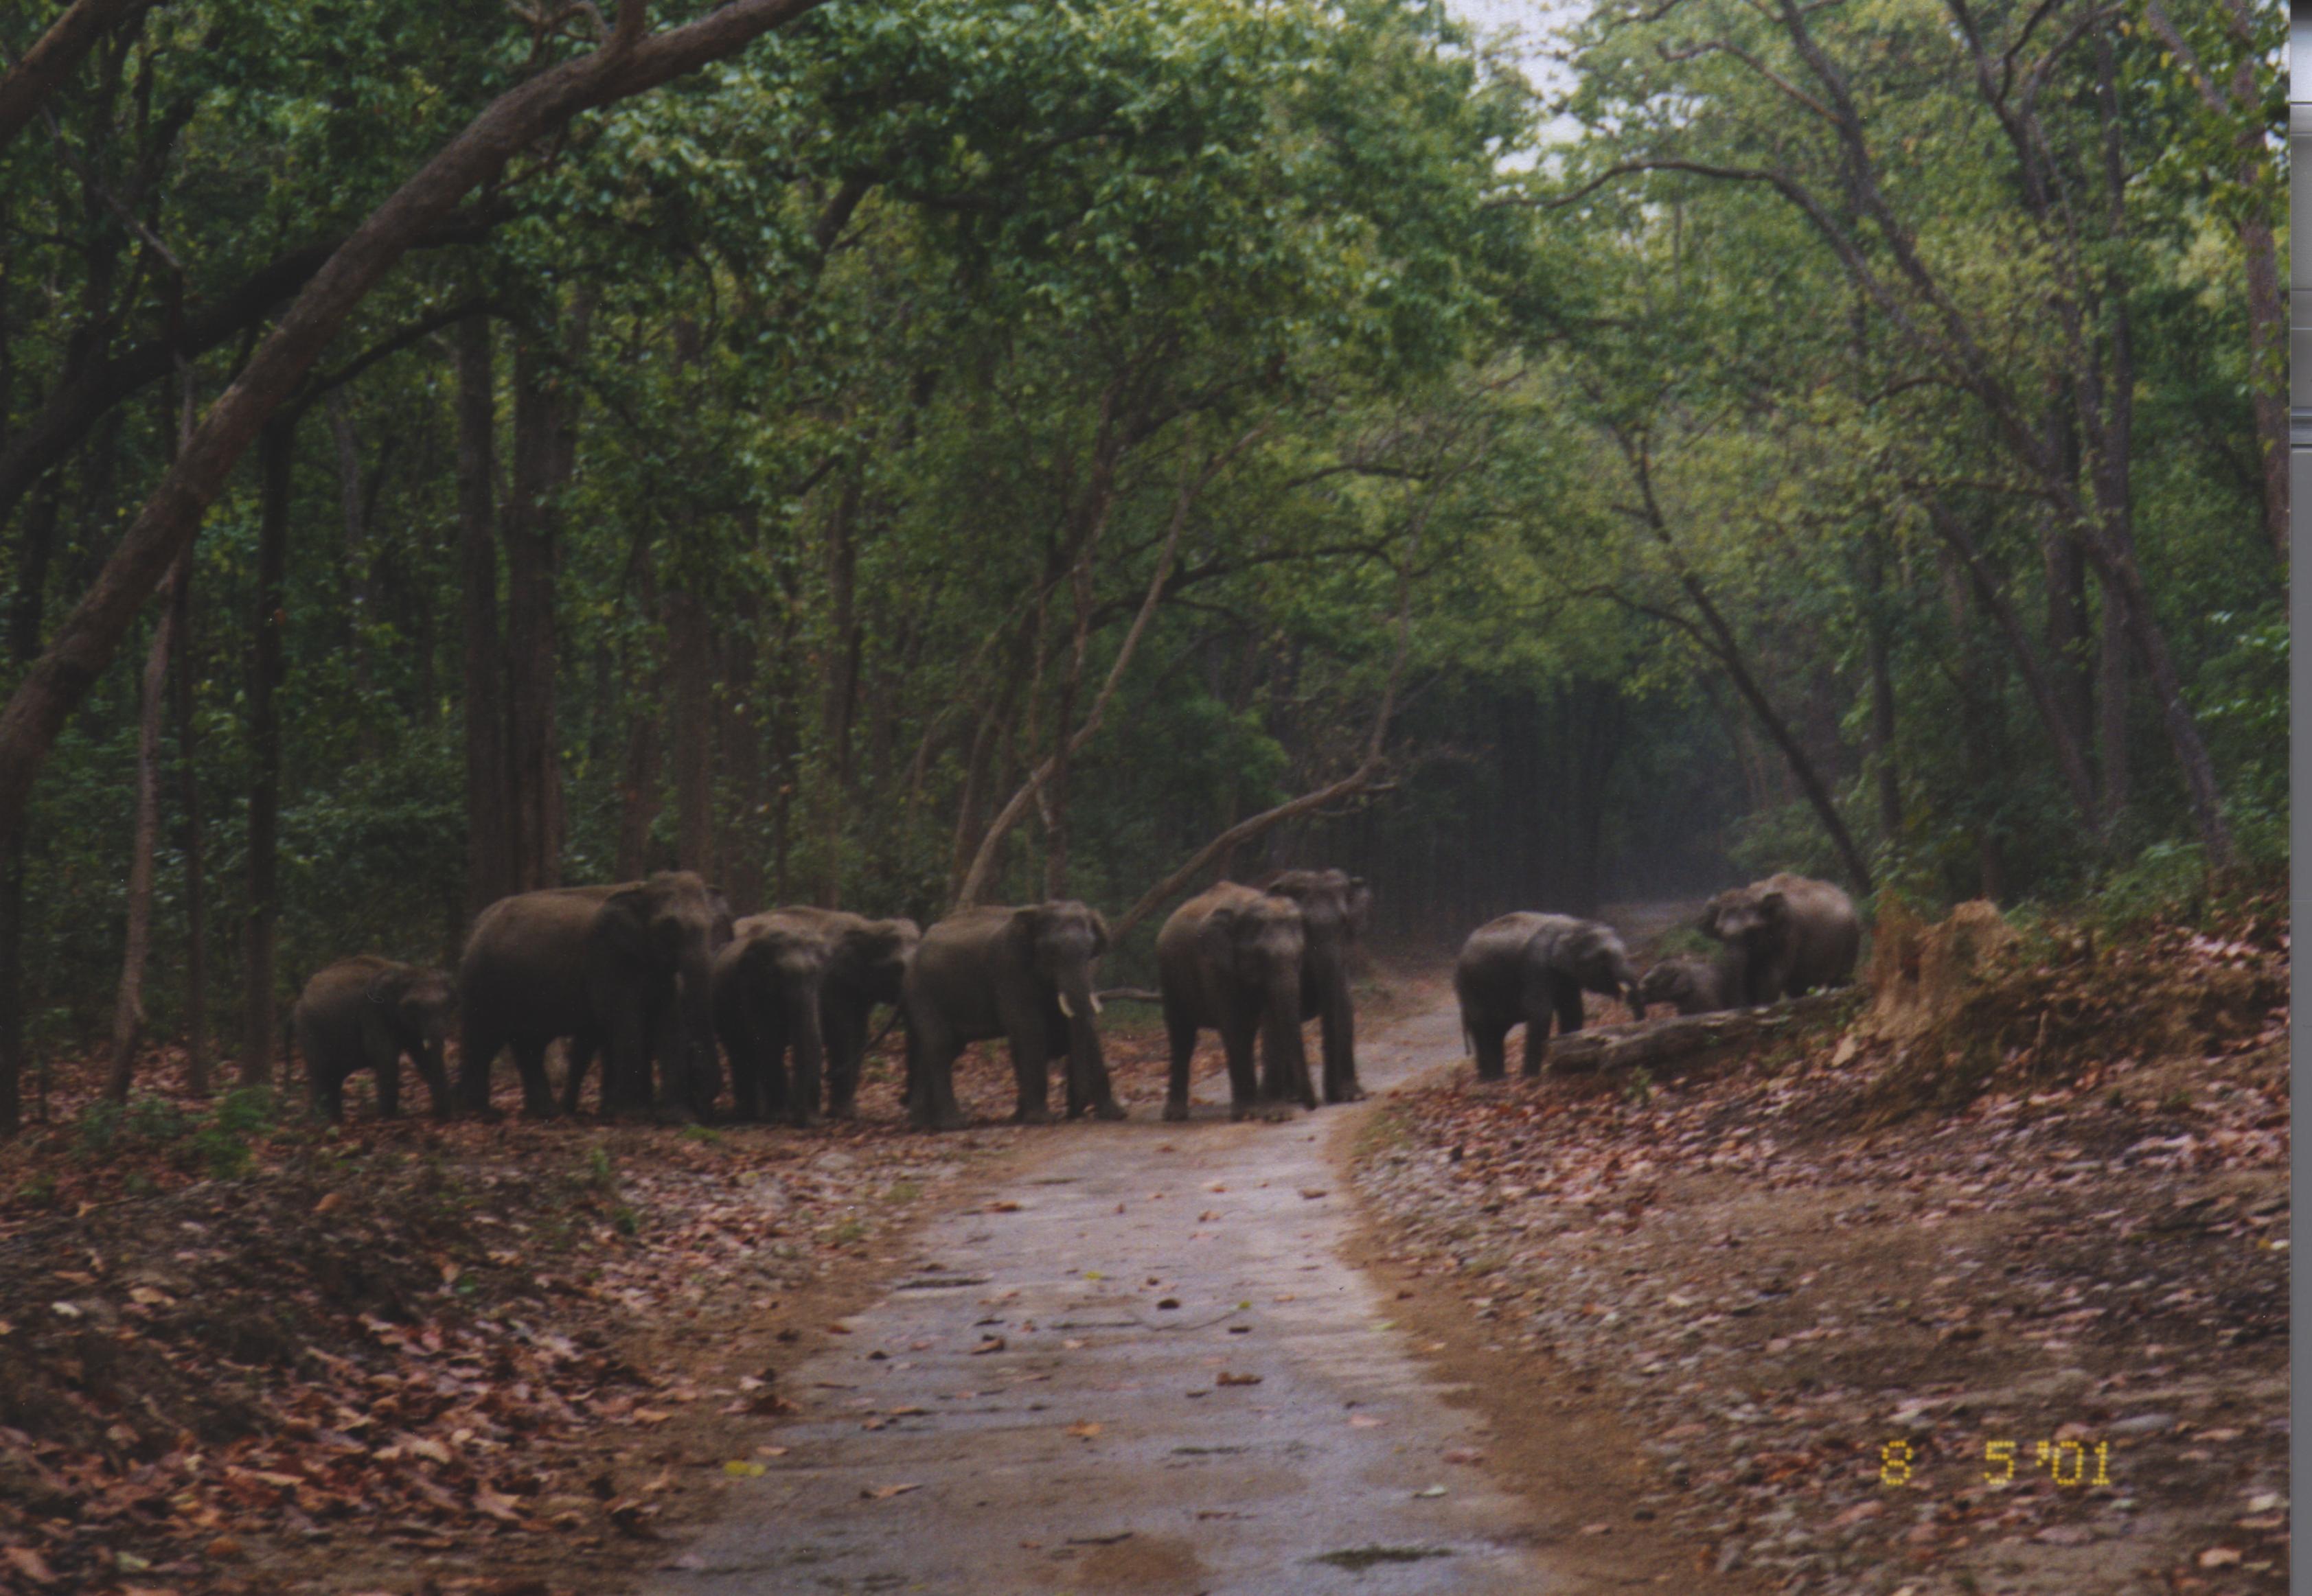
[364, 1013]
[867, 963]
[1523, 968]
[1230, 959]
[1795, 934]
[769, 985]
[1021, 973]
[1335, 908]
[622, 970]
[1692, 986]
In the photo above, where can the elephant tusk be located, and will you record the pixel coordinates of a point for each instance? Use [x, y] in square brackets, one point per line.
[1095, 1003]
[1065, 1009]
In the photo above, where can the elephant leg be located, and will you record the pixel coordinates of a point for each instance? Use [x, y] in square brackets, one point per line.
[931, 1080]
[746, 1073]
[1180, 1032]
[478, 1050]
[577, 1058]
[1340, 1051]
[1031, 1071]
[428, 1059]
[1488, 1039]
[1259, 1082]
[536, 1097]
[626, 1064]
[386, 1064]
[787, 1094]
[844, 1037]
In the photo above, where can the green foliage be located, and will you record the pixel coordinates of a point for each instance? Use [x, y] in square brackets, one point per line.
[894, 355]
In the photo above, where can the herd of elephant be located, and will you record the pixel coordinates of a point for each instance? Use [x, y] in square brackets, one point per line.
[1781, 937]
[659, 972]
[659, 980]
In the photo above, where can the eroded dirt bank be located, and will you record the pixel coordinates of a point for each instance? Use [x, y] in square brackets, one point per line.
[1829, 1326]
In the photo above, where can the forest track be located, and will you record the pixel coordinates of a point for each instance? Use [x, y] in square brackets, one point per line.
[1145, 1364]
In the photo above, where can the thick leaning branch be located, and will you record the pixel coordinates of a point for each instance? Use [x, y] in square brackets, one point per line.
[983, 862]
[27, 84]
[1369, 770]
[92, 635]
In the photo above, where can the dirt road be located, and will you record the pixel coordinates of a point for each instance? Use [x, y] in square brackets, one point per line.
[1142, 1366]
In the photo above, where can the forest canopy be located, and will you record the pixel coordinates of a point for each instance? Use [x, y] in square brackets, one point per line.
[898, 455]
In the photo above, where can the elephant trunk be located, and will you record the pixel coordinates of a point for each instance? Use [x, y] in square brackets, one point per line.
[801, 1000]
[1284, 1052]
[695, 1072]
[1086, 1070]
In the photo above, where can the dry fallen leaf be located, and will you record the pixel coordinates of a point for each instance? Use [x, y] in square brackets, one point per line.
[2219, 1556]
[1361, 1421]
[1228, 1378]
[1083, 1429]
[30, 1564]
[988, 1344]
[884, 1493]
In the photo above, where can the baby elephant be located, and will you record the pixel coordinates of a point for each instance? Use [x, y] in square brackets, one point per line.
[1527, 969]
[1793, 934]
[364, 1013]
[1692, 986]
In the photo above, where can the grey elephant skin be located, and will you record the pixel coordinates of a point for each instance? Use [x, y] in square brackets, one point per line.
[368, 1013]
[768, 982]
[625, 971]
[1229, 960]
[1528, 969]
[1021, 973]
[867, 965]
[1794, 934]
[1692, 986]
[1335, 908]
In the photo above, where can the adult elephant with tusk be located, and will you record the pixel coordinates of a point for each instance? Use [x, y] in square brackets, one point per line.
[1230, 959]
[1528, 969]
[1335, 908]
[622, 970]
[1020, 974]
[769, 982]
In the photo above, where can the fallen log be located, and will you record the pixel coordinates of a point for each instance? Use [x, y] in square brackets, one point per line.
[1681, 1038]
[1128, 994]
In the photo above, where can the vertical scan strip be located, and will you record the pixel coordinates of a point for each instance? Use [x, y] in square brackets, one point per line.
[2299, 681]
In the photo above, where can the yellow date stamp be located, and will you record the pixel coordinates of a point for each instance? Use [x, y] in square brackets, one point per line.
[2072, 1464]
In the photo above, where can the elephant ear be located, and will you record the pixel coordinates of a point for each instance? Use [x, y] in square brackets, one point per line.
[1022, 928]
[1773, 905]
[384, 987]
[1707, 924]
[1217, 939]
[624, 923]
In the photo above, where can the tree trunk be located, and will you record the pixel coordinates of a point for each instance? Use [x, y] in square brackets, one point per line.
[267, 664]
[2111, 704]
[129, 1000]
[489, 841]
[838, 687]
[639, 794]
[197, 940]
[37, 546]
[739, 850]
[360, 601]
[530, 528]
[692, 662]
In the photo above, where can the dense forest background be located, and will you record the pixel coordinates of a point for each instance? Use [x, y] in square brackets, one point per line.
[898, 454]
